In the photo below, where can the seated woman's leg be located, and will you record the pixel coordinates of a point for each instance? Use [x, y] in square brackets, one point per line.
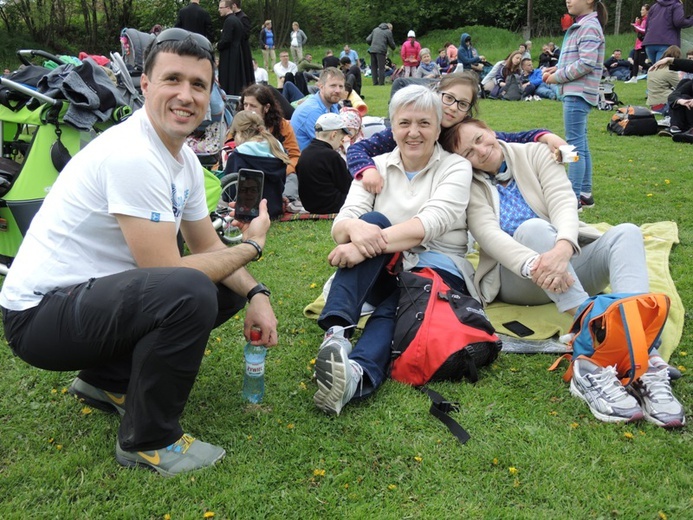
[540, 236]
[616, 258]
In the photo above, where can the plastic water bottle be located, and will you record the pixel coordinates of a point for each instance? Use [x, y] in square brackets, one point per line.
[254, 378]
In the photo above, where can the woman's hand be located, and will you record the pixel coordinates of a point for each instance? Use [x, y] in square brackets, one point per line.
[662, 63]
[553, 141]
[345, 255]
[372, 181]
[550, 271]
[368, 239]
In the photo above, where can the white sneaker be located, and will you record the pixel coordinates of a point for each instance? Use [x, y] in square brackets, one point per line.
[658, 403]
[337, 376]
[536, 98]
[295, 206]
[603, 392]
[632, 80]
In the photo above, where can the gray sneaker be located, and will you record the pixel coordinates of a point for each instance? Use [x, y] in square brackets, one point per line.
[658, 403]
[603, 392]
[186, 454]
[337, 376]
[105, 401]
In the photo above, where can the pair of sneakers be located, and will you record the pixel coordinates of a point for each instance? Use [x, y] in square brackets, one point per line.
[186, 454]
[649, 397]
[337, 376]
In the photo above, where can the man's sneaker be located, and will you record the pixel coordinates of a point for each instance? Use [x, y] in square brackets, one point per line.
[603, 392]
[95, 397]
[337, 376]
[683, 137]
[664, 132]
[587, 201]
[659, 405]
[186, 454]
[536, 97]
[632, 80]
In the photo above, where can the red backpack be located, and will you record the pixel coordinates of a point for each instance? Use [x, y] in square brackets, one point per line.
[440, 333]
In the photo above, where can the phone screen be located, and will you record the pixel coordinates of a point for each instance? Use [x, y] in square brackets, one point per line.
[249, 194]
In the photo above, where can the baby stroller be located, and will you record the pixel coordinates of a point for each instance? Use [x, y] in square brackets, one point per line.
[41, 130]
[608, 99]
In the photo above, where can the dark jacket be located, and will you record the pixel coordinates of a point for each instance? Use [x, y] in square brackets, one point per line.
[330, 61]
[323, 178]
[468, 56]
[665, 19]
[352, 77]
[232, 66]
[380, 39]
[275, 178]
[195, 18]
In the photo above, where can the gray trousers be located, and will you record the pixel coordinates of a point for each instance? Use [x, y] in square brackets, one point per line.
[616, 258]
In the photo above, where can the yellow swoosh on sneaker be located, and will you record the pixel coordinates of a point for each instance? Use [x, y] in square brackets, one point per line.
[152, 459]
[116, 400]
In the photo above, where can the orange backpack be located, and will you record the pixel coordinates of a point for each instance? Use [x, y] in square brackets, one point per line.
[618, 330]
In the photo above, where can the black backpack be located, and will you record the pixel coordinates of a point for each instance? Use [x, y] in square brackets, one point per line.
[633, 120]
[512, 90]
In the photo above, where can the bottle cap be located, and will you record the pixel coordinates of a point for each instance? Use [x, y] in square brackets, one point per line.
[255, 334]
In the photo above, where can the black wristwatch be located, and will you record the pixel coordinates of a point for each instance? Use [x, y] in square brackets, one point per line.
[259, 288]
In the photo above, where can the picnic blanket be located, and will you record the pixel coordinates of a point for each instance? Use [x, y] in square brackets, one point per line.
[548, 324]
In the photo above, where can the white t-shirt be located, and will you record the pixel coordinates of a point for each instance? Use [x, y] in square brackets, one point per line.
[281, 71]
[261, 75]
[75, 235]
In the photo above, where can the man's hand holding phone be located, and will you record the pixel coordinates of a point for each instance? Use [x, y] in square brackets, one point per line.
[255, 229]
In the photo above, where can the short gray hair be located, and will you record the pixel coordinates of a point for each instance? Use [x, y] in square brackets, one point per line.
[420, 98]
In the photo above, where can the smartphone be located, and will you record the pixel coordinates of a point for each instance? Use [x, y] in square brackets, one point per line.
[518, 328]
[249, 194]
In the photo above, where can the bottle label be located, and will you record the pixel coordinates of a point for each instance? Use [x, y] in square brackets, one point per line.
[255, 369]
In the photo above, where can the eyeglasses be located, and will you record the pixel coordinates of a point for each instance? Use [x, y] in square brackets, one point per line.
[450, 100]
[176, 34]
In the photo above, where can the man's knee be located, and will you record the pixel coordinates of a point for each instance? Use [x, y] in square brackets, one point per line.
[190, 287]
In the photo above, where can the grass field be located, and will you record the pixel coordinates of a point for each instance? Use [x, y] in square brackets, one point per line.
[535, 451]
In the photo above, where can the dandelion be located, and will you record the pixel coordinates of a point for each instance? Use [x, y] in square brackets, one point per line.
[86, 410]
[290, 426]
[667, 181]
[63, 390]
[58, 446]
[682, 368]
[513, 369]
[51, 440]
[418, 458]
[312, 362]
[574, 425]
[207, 352]
[302, 386]
[682, 353]
[167, 517]
[495, 461]
[313, 285]
[209, 514]
[649, 194]
[318, 472]
[392, 487]
[512, 470]
[553, 412]
[217, 339]
[346, 486]
[516, 483]
[54, 391]
[662, 515]
[628, 436]
[249, 437]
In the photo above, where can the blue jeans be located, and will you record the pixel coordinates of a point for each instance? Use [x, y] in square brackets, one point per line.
[546, 91]
[351, 288]
[654, 52]
[575, 112]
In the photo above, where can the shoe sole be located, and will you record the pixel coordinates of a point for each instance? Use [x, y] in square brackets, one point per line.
[599, 415]
[330, 374]
[675, 423]
[104, 406]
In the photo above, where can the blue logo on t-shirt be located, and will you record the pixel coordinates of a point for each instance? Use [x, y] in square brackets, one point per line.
[156, 217]
[178, 201]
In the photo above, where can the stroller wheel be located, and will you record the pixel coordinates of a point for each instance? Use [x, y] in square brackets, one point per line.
[221, 218]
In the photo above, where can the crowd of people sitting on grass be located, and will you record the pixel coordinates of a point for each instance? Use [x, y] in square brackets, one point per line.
[416, 188]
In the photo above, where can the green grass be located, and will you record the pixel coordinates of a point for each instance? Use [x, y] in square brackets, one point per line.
[386, 457]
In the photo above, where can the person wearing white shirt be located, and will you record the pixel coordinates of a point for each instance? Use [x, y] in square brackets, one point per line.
[283, 67]
[261, 75]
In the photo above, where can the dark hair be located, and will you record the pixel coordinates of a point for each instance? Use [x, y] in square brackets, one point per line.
[345, 60]
[602, 13]
[186, 47]
[274, 116]
[508, 67]
[467, 78]
[450, 139]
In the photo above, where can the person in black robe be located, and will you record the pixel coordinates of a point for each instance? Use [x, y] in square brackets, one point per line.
[231, 76]
[246, 53]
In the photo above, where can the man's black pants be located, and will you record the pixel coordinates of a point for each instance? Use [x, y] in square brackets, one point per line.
[142, 332]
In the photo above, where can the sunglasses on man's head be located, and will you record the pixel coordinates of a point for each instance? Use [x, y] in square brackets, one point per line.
[176, 34]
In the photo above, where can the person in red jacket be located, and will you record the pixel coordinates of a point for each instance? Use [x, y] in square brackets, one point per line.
[410, 55]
